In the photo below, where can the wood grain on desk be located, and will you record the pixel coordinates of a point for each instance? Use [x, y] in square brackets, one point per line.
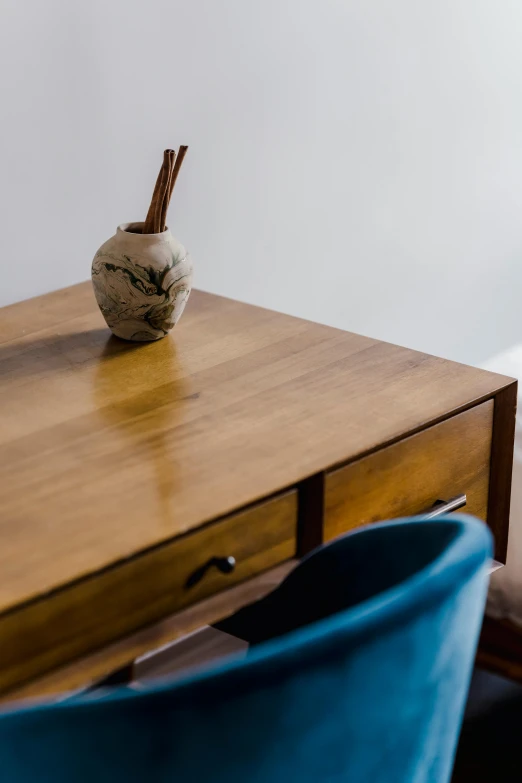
[443, 461]
[109, 450]
[91, 612]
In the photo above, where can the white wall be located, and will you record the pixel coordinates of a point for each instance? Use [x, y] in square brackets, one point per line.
[357, 162]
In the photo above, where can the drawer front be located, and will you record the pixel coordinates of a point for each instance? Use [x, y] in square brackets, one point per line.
[448, 459]
[97, 610]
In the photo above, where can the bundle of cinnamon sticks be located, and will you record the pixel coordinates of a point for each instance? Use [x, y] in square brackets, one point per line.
[157, 214]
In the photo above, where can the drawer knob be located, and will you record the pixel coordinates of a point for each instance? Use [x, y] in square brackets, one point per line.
[441, 507]
[224, 564]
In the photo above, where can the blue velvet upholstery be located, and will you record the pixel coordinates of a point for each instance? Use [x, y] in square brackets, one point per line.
[367, 684]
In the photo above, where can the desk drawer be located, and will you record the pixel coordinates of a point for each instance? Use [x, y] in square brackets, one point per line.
[103, 607]
[448, 459]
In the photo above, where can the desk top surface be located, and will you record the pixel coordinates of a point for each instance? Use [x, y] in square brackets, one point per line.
[108, 448]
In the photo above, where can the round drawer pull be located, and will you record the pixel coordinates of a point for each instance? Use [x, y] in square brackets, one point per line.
[223, 564]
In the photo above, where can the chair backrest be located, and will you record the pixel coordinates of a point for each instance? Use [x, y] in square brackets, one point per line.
[367, 684]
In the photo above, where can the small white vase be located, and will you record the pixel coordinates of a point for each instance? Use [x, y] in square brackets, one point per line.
[141, 282]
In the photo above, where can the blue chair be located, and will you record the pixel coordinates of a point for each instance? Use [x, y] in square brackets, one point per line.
[358, 673]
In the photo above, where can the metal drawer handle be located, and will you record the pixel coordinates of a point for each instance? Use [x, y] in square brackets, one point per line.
[224, 564]
[441, 507]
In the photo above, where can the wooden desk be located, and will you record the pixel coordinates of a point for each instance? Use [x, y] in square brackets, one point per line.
[129, 472]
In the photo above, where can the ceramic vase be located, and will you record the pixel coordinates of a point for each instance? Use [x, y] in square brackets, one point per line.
[141, 282]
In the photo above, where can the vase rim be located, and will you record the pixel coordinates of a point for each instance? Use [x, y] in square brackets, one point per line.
[124, 228]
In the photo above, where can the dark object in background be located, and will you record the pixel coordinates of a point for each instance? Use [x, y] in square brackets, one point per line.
[490, 748]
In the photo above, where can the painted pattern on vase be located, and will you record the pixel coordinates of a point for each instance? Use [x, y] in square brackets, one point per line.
[141, 282]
